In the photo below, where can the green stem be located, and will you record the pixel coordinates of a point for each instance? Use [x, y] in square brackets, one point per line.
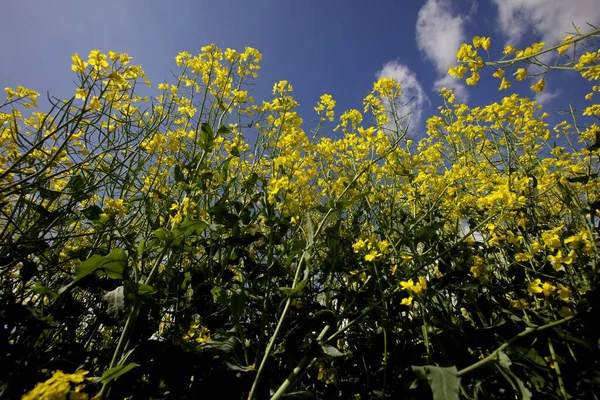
[494, 355]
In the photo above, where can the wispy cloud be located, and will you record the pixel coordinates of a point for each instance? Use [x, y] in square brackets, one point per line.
[550, 19]
[414, 96]
[545, 96]
[439, 34]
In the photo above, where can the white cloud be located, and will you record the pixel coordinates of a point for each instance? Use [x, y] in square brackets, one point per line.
[413, 94]
[439, 34]
[551, 19]
[545, 96]
[450, 82]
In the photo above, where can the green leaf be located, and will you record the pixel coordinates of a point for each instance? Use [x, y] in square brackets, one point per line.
[443, 381]
[177, 174]
[221, 347]
[331, 351]
[145, 290]
[141, 247]
[207, 137]
[223, 129]
[113, 264]
[163, 234]
[44, 291]
[288, 291]
[504, 360]
[299, 395]
[92, 213]
[237, 304]
[88, 266]
[116, 372]
[76, 183]
[190, 227]
[217, 294]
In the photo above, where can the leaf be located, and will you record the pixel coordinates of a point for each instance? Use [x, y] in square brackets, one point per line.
[145, 290]
[41, 290]
[92, 213]
[141, 247]
[331, 351]
[309, 230]
[207, 137]
[191, 227]
[299, 395]
[516, 383]
[504, 360]
[223, 129]
[443, 381]
[217, 294]
[88, 266]
[116, 372]
[76, 183]
[222, 347]
[163, 234]
[582, 178]
[177, 174]
[288, 291]
[113, 264]
[596, 144]
[237, 304]
[235, 366]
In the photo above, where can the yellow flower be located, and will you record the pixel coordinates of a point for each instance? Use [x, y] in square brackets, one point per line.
[558, 260]
[473, 79]
[565, 312]
[499, 73]
[78, 64]
[539, 85]
[481, 41]
[548, 288]
[465, 52]
[565, 293]
[113, 56]
[97, 59]
[407, 285]
[358, 246]
[407, 301]
[521, 74]
[563, 49]
[505, 84]
[520, 257]
[535, 286]
[508, 49]
[372, 255]
[423, 283]
[458, 71]
[58, 386]
[80, 94]
[383, 245]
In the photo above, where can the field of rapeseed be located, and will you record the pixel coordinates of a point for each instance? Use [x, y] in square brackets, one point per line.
[199, 242]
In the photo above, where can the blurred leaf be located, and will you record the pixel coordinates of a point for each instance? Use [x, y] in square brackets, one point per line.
[113, 264]
[178, 174]
[92, 213]
[163, 234]
[116, 372]
[443, 381]
[223, 130]
[299, 395]
[331, 351]
[291, 292]
[207, 137]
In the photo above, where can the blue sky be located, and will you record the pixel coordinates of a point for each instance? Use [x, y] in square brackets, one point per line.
[320, 46]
